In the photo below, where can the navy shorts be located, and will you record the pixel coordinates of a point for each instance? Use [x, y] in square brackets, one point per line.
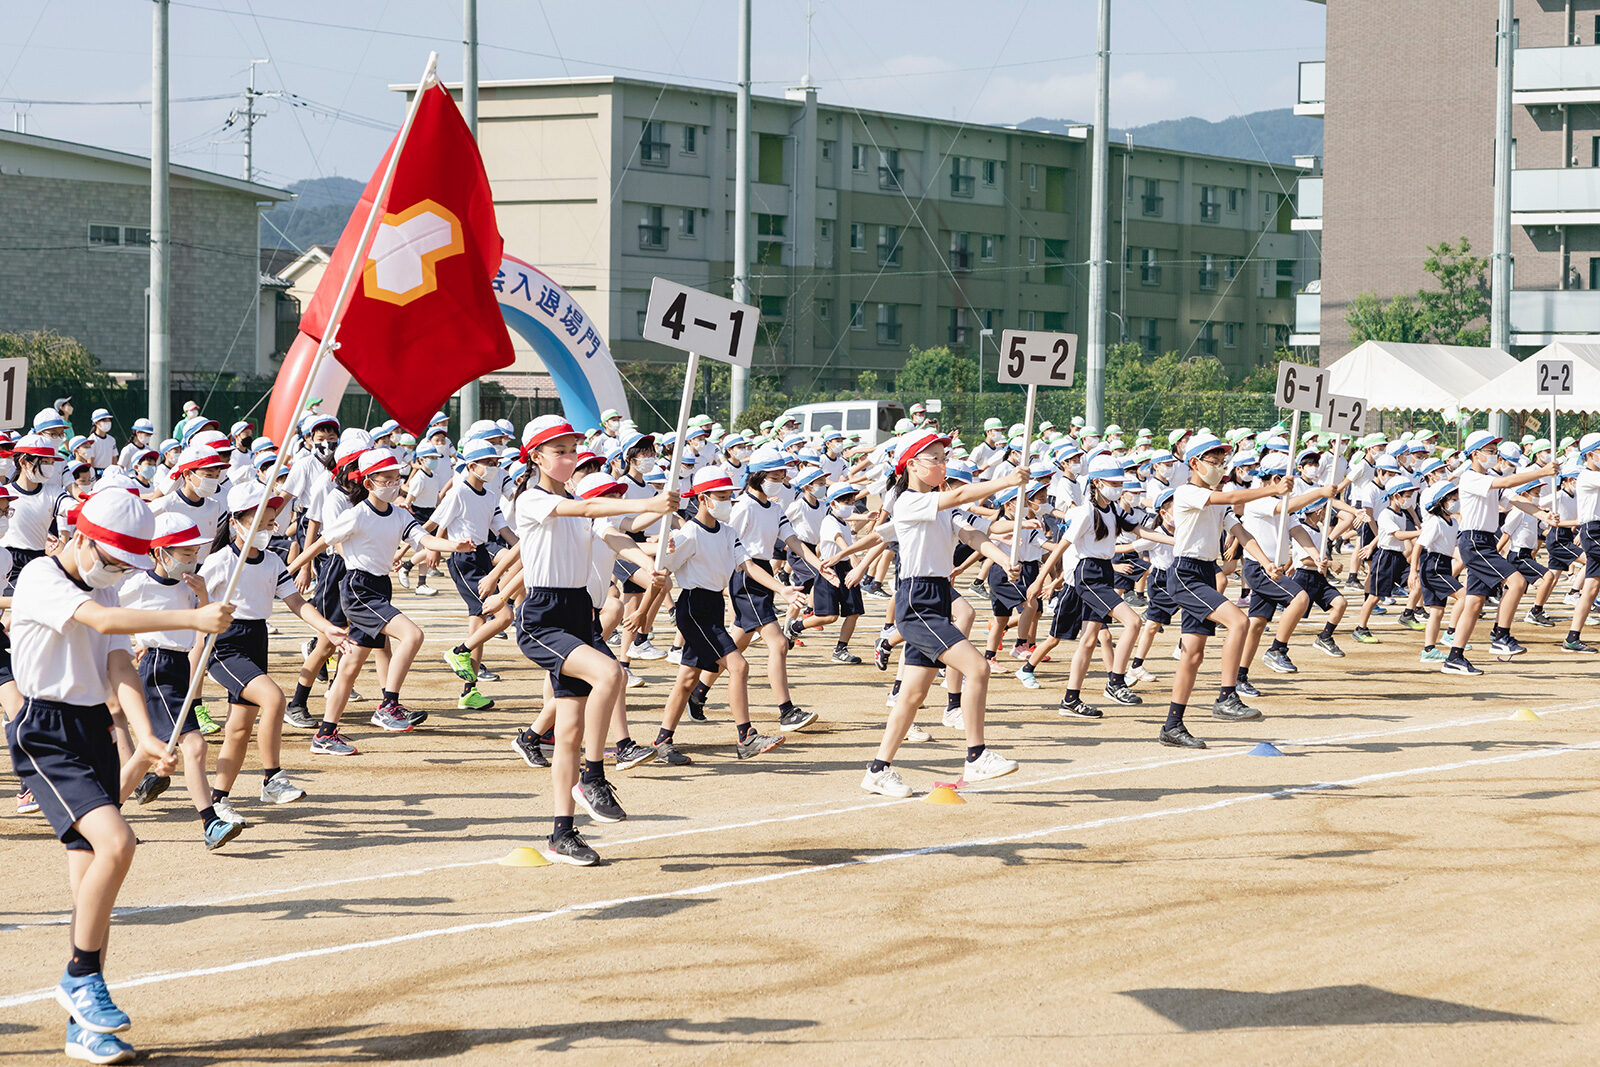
[1192, 584]
[467, 569]
[804, 573]
[1487, 570]
[1067, 621]
[423, 515]
[753, 605]
[841, 600]
[1438, 584]
[66, 756]
[1531, 568]
[1267, 594]
[1097, 591]
[553, 624]
[922, 615]
[328, 597]
[20, 558]
[1006, 597]
[1589, 539]
[165, 675]
[1315, 585]
[623, 571]
[963, 553]
[1125, 582]
[700, 617]
[6, 674]
[1564, 552]
[1161, 607]
[240, 658]
[1386, 572]
[367, 608]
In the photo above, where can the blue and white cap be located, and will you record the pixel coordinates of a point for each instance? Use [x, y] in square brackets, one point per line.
[1437, 493]
[844, 491]
[767, 459]
[832, 435]
[1479, 439]
[812, 475]
[1398, 486]
[480, 451]
[1388, 464]
[1201, 443]
[1105, 469]
[958, 472]
[143, 426]
[99, 415]
[1428, 466]
[1274, 463]
[48, 419]
[1588, 443]
[1164, 496]
[1249, 459]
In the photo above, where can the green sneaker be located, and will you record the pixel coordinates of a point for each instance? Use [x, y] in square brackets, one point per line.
[1363, 635]
[1434, 655]
[208, 725]
[472, 700]
[1411, 622]
[461, 663]
[1569, 645]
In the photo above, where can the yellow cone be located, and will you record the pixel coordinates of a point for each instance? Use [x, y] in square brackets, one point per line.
[524, 856]
[1525, 715]
[943, 794]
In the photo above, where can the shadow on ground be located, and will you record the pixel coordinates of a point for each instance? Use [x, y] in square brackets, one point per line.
[1198, 1010]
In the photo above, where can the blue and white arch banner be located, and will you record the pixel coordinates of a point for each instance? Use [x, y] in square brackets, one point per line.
[569, 345]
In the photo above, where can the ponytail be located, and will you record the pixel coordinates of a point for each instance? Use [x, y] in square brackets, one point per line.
[348, 482]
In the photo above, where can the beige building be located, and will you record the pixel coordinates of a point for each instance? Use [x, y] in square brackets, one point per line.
[874, 231]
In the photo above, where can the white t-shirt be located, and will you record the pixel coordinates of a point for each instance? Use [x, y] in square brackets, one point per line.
[1587, 497]
[760, 527]
[53, 656]
[1480, 504]
[1261, 521]
[556, 549]
[426, 485]
[926, 535]
[1391, 522]
[209, 515]
[31, 514]
[806, 519]
[102, 451]
[468, 514]
[1522, 529]
[1438, 535]
[264, 578]
[1198, 526]
[1080, 533]
[148, 591]
[703, 558]
[368, 537]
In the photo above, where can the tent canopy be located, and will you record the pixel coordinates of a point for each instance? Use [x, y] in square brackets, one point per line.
[1397, 377]
[1516, 390]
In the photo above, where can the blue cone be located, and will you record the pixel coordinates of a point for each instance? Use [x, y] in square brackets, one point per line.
[1265, 748]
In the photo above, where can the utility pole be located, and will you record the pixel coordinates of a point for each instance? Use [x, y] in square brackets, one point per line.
[471, 395]
[158, 371]
[250, 95]
[1094, 393]
[740, 379]
[1500, 264]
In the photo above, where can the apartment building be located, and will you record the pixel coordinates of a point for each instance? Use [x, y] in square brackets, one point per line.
[872, 231]
[1409, 156]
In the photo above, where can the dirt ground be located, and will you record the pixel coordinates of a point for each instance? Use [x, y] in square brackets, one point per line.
[1412, 880]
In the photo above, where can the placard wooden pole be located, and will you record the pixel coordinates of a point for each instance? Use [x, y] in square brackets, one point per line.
[1022, 490]
[1283, 516]
[689, 373]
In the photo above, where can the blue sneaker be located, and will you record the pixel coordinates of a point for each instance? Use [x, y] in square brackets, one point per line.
[96, 1048]
[220, 832]
[89, 1003]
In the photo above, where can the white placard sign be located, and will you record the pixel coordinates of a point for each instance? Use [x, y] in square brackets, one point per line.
[1344, 415]
[1302, 387]
[13, 393]
[1553, 377]
[1029, 357]
[695, 321]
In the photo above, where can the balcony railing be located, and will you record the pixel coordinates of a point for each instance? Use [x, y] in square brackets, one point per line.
[652, 238]
[889, 177]
[1547, 312]
[1547, 194]
[1150, 275]
[888, 333]
[888, 257]
[961, 185]
[960, 259]
[1313, 85]
[1210, 210]
[1563, 74]
[1151, 206]
[1307, 204]
[654, 153]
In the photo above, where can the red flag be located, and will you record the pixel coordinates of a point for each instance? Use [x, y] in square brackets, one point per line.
[423, 319]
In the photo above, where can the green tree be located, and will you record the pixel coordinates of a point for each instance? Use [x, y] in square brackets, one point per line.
[1398, 320]
[936, 372]
[1462, 299]
[52, 357]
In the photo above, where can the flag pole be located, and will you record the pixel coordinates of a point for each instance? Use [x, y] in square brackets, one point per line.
[328, 344]
[684, 404]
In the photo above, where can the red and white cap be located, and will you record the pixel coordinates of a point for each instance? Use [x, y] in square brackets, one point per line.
[710, 478]
[245, 497]
[175, 531]
[598, 484]
[376, 461]
[6, 492]
[32, 444]
[352, 443]
[586, 456]
[121, 524]
[198, 457]
[213, 439]
[915, 442]
[543, 430]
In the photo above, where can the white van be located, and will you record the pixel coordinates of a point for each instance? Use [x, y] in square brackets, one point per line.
[873, 419]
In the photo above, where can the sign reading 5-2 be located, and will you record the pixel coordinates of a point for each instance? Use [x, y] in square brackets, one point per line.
[1031, 358]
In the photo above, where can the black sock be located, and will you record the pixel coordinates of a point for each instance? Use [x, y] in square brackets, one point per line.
[391, 697]
[1174, 715]
[467, 687]
[877, 765]
[460, 649]
[1278, 646]
[1136, 662]
[594, 770]
[1117, 679]
[988, 653]
[218, 794]
[787, 705]
[701, 691]
[1455, 653]
[895, 688]
[746, 729]
[974, 751]
[268, 772]
[327, 729]
[1327, 630]
[302, 693]
[1498, 631]
[208, 817]
[1227, 691]
[1072, 695]
[1427, 648]
[1244, 674]
[840, 646]
[952, 700]
[624, 742]
[663, 736]
[1572, 635]
[562, 828]
[83, 962]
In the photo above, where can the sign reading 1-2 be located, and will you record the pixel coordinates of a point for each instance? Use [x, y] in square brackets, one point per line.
[695, 321]
[1030, 358]
[13, 393]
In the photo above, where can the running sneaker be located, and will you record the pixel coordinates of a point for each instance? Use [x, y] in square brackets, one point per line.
[675, 655]
[1137, 601]
[793, 630]
[150, 786]
[1233, 709]
[526, 745]
[207, 724]
[219, 833]
[1178, 736]
[472, 700]
[697, 709]
[643, 649]
[1122, 694]
[952, 719]
[1019, 652]
[890, 697]
[630, 754]
[880, 652]
[886, 782]
[844, 655]
[224, 809]
[1458, 665]
[486, 675]
[424, 589]
[1069, 706]
[980, 587]
[989, 764]
[631, 680]
[1246, 688]
[388, 717]
[599, 799]
[1326, 644]
[1138, 674]
[332, 744]
[668, 753]
[1433, 655]
[307, 646]
[405, 577]
[795, 719]
[1025, 675]
[1537, 617]
[547, 743]
[26, 805]
[916, 735]
[1450, 640]
[84, 1044]
[1280, 662]
[615, 640]
[89, 1002]
[279, 790]
[755, 744]
[571, 848]
[1506, 646]
[299, 716]
[1570, 645]
[1411, 622]
[1363, 635]
[460, 661]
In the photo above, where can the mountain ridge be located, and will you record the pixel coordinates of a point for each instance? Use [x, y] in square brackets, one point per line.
[1276, 135]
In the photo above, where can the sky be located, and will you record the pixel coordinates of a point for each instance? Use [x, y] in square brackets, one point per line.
[999, 61]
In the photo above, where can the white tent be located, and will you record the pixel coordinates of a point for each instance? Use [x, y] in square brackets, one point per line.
[1397, 377]
[1516, 390]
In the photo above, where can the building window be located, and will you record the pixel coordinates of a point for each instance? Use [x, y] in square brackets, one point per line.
[769, 239]
[686, 221]
[889, 170]
[857, 322]
[986, 247]
[1149, 337]
[989, 169]
[1230, 335]
[1208, 271]
[1033, 251]
[689, 139]
[136, 236]
[960, 257]
[105, 236]
[1150, 202]
[888, 324]
[1210, 206]
[653, 148]
[652, 231]
[825, 230]
[771, 307]
[1230, 268]
[641, 323]
[961, 180]
[1149, 269]
[827, 151]
[1028, 320]
[1233, 201]
[960, 331]
[858, 157]
[1268, 206]
[1033, 176]
[888, 246]
[1206, 341]
[824, 310]
[858, 237]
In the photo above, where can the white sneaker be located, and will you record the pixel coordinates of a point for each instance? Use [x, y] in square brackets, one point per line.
[615, 640]
[916, 735]
[279, 790]
[405, 578]
[224, 809]
[1025, 676]
[886, 782]
[424, 589]
[634, 681]
[1137, 675]
[1177, 651]
[889, 698]
[1571, 599]
[643, 649]
[989, 765]
[952, 718]
[675, 655]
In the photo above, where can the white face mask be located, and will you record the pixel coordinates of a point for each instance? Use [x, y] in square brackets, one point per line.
[97, 575]
[646, 464]
[5, 523]
[1210, 473]
[262, 538]
[843, 511]
[204, 487]
[1111, 492]
[740, 454]
[721, 510]
[385, 493]
[147, 471]
[178, 568]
